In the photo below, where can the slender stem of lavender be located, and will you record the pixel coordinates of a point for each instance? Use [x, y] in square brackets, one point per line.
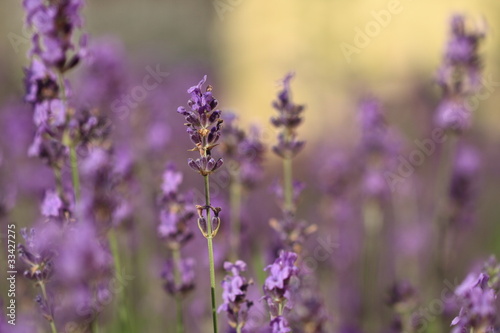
[74, 172]
[58, 178]
[235, 203]
[280, 308]
[210, 252]
[438, 220]
[288, 184]
[238, 329]
[176, 254]
[44, 294]
[72, 147]
[122, 309]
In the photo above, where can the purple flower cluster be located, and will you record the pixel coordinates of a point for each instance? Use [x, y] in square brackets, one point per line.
[203, 126]
[288, 119]
[459, 75]
[244, 150]
[234, 295]
[478, 296]
[277, 289]
[173, 229]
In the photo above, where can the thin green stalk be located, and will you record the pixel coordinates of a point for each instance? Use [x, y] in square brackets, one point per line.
[373, 222]
[235, 203]
[210, 252]
[72, 147]
[44, 294]
[288, 184]
[438, 220]
[176, 256]
[122, 308]
[74, 172]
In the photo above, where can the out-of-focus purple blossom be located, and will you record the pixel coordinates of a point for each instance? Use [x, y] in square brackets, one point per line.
[54, 23]
[51, 205]
[104, 76]
[288, 119]
[245, 151]
[185, 267]
[459, 75]
[175, 213]
[279, 324]
[477, 297]
[463, 189]
[292, 233]
[234, 294]
[82, 256]
[277, 284]
[277, 190]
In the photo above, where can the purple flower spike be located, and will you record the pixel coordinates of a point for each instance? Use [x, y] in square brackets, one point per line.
[234, 292]
[203, 119]
[289, 118]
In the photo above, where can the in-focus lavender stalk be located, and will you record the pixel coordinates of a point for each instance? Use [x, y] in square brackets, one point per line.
[234, 295]
[174, 231]
[278, 289]
[244, 155]
[204, 128]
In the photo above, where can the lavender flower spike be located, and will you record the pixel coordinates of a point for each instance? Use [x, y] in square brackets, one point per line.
[234, 287]
[204, 128]
[277, 289]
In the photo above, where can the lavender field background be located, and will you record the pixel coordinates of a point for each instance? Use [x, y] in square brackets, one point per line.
[351, 148]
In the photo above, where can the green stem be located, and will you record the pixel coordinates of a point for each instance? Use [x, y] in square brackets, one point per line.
[74, 172]
[210, 252]
[44, 294]
[439, 221]
[122, 308]
[235, 203]
[72, 146]
[288, 184]
[176, 254]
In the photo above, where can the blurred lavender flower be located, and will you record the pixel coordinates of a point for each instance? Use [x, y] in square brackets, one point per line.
[463, 189]
[185, 282]
[245, 151]
[54, 23]
[288, 119]
[175, 213]
[478, 297]
[459, 75]
[234, 295]
[277, 289]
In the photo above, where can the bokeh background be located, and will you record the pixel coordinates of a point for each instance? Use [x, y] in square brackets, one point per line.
[246, 46]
